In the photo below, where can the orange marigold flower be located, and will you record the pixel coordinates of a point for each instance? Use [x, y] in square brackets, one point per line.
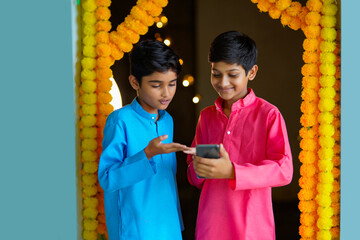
[308, 120]
[274, 12]
[312, 31]
[264, 5]
[102, 37]
[335, 232]
[150, 7]
[294, 9]
[307, 219]
[309, 94]
[310, 82]
[336, 207]
[306, 231]
[104, 62]
[283, 4]
[307, 182]
[104, 85]
[103, 73]
[307, 157]
[127, 33]
[116, 53]
[307, 206]
[307, 170]
[295, 23]
[140, 14]
[161, 3]
[105, 109]
[103, 26]
[306, 132]
[306, 194]
[335, 196]
[104, 97]
[101, 229]
[102, 13]
[285, 19]
[314, 5]
[311, 45]
[103, 50]
[313, 18]
[336, 160]
[135, 25]
[308, 108]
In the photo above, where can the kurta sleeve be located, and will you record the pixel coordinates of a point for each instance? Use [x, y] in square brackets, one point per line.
[191, 174]
[116, 169]
[277, 169]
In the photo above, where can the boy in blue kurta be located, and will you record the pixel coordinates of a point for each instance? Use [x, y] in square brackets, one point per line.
[138, 164]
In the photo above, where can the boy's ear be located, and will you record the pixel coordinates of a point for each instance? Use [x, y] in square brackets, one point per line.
[252, 72]
[133, 82]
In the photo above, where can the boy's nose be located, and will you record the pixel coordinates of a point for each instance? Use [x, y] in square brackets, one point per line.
[224, 81]
[165, 92]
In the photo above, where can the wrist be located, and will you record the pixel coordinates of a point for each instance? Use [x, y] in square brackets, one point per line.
[148, 153]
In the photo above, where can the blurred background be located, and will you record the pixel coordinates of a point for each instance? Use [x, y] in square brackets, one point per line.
[189, 27]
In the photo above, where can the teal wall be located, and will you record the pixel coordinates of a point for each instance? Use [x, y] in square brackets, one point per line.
[37, 130]
[350, 121]
[38, 160]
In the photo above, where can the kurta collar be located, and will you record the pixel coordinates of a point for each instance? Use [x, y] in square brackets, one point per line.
[239, 104]
[140, 110]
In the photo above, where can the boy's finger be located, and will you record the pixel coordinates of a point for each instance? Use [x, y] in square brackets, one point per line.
[190, 150]
[223, 152]
[162, 138]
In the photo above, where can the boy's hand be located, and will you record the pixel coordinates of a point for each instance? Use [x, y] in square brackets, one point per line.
[221, 168]
[156, 147]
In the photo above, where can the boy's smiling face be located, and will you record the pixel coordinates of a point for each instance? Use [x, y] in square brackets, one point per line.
[230, 80]
[156, 90]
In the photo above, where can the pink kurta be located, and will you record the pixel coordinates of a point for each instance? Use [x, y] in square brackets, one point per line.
[256, 139]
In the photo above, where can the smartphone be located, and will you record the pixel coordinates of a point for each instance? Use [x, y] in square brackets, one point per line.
[207, 151]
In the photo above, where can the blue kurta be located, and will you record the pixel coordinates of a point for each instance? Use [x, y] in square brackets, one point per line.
[141, 199]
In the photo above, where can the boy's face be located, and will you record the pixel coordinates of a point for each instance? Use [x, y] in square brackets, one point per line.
[156, 90]
[230, 80]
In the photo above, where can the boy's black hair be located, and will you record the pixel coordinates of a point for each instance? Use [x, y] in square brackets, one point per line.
[234, 47]
[150, 56]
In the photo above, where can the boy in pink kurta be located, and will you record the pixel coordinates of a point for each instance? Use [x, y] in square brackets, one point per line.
[235, 201]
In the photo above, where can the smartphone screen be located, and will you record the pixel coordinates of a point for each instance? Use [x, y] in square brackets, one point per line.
[208, 150]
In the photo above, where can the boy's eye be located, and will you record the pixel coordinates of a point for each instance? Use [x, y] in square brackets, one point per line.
[155, 86]
[233, 75]
[172, 84]
[216, 75]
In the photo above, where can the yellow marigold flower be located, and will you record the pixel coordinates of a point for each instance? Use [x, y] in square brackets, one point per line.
[325, 118]
[327, 57]
[314, 5]
[90, 167]
[306, 194]
[88, 155]
[325, 212]
[89, 179]
[104, 86]
[90, 212]
[89, 109]
[326, 154]
[103, 26]
[307, 170]
[105, 109]
[89, 5]
[327, 46]
[274, 12]
[307, 182]
[161, 3]
[103, 50]
[306, 231]
[313, 18]
[89, 144]
[88, 63]
[326, 177]
[264, 5]
[308, 120]
[307, 206]
[89, 40]
[294, 9]
[88, 86]
[326, 104]
[90, 235]
[326, 141]
[311, 45]
[283, 4]
[324, 223]
[116, 53]
[89, 51]
[88, 121]
[325, 165]
[89, 18]
[307, 219]
[329, 9]
[89, 190]
[105, 3]
[327, 92]
[307, 157]
[324, 188]
[103, 73]
[327, 81]
[89, 29]
[90, 224]
[323, 200]
[89, 98]
[310, 57]
[326, 129]
[91, 202]
[102, 37]
[328, 21]
[89, 132]
[328, 34]
[310, 82]
[88, 74]
[140, 14]
[104, 97]
[128, 34]
[308, 108]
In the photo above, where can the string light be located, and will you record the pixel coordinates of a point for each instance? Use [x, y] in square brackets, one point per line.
[181, 61]
[159, 24]
[196, 99]
[167, 42]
